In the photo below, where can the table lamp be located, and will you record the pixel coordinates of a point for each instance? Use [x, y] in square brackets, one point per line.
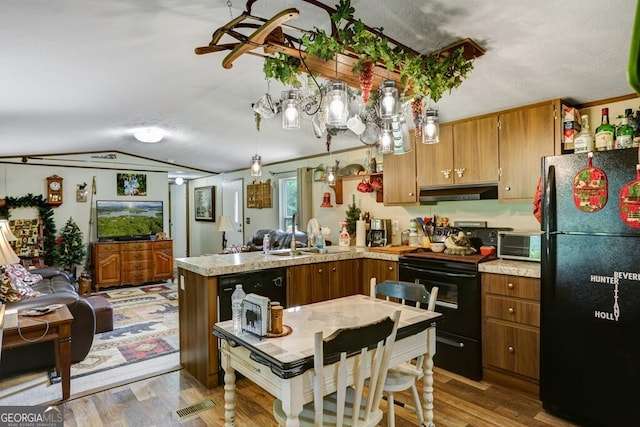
[224, 225]
[7, 254]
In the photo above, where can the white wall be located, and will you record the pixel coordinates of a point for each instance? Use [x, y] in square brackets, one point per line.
[19, 180]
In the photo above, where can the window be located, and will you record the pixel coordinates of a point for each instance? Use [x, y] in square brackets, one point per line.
[288, 189]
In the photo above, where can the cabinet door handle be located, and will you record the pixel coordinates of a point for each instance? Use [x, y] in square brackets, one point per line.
[446, 173]
[511, 349]
[459, 172]
[390, 268]
[320, 270]
[507, 188]
[511, 310]
[510, 286]
[333, 269]
[410, 194]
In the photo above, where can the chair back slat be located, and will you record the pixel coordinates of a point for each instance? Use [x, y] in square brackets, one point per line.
[367, 350]
[404, 292]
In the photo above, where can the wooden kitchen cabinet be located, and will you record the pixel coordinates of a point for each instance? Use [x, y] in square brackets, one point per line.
[322, 281]
[132, 263]
[511, 331]
[467, 154]
[380, 269]
[400, 185]
[526, 135]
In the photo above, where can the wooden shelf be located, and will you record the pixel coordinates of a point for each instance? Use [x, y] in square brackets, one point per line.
[338, 187]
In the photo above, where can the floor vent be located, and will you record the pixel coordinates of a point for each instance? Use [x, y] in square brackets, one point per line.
[194, 409]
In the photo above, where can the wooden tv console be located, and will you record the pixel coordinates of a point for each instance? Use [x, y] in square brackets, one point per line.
[131, 262]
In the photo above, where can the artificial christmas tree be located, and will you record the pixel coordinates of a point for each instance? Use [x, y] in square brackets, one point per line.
[352, 215]
[71, 250]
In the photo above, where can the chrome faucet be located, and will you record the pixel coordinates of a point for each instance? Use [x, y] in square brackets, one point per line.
[293, 232]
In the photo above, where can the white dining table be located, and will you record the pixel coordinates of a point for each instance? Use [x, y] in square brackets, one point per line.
[283, 366]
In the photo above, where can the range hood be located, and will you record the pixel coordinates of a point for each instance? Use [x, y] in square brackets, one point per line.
[428, 195]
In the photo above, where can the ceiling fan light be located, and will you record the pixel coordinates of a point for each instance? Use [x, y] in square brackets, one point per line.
[431, 127]
[149, 135]
[337, 105]
[256, 165]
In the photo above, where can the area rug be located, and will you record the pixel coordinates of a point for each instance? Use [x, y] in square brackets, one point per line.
[143, 343]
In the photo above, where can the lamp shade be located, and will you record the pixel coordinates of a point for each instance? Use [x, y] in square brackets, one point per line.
[7, 255]
[337, 105]
[225, 224]
[389, 102]
[6, 230]
[291, 110]
[256, 165]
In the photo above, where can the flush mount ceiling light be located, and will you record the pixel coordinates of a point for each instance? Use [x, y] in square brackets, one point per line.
[149, 135]
[179, 180]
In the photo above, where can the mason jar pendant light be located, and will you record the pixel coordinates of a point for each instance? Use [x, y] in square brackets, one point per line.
[388, 101]
[291, 110]
[337, 105]
[386, 139]
[256, 165]
[431, 128]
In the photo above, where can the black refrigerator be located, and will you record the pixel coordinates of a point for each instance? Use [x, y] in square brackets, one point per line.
[590, 302]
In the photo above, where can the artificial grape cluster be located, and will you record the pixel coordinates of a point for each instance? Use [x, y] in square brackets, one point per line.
[366, 80]
[416, 108]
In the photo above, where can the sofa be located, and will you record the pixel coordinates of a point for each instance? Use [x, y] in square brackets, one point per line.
[280, 239]
[54, 288]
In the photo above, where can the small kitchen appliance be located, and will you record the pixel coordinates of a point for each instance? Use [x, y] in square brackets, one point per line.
[379, 232]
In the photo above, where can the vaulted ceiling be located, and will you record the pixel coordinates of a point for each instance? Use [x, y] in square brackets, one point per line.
[77, 76]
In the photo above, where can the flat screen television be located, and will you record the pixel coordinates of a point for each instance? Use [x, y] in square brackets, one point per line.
[128, 220]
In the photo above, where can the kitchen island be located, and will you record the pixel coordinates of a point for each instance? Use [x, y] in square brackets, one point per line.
[198, 293]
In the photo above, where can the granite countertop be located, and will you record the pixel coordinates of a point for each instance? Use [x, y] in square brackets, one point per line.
[511, 267]
[216, 265]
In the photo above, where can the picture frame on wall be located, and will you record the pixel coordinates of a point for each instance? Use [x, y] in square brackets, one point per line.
[204, 198]
[131, 184]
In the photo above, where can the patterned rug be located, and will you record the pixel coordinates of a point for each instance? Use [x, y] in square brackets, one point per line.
[143, 343]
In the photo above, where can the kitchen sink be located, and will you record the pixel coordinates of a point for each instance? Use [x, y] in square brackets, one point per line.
[301, 252]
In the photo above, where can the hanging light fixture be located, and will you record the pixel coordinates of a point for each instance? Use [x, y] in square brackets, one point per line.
[256, 165]
[291, 109]
[388, 100]
[331, 176]
[386, 139]
[431, 128]
[337, 104]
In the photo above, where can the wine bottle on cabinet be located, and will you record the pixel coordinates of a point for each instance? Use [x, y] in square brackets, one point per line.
[624, 134]
[605, 133]
[584, 141]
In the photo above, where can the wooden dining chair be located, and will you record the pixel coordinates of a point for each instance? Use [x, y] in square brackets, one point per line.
[405, 375]
[342, 362]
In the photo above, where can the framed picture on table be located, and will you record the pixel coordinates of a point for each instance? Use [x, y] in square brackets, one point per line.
[204, 203]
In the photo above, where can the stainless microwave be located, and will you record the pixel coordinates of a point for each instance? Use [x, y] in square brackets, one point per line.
[525, 246]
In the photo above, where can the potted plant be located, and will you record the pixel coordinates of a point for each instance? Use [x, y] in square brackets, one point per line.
[352, 215]
[71, 250]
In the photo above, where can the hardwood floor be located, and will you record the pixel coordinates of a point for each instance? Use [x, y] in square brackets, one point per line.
[459, 402]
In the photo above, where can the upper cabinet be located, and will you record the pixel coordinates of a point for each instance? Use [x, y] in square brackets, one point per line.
[467, 154]
[400, 186]
[525, 136]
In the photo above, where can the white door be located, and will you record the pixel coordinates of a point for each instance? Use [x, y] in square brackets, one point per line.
[232, 206]
[178, 219]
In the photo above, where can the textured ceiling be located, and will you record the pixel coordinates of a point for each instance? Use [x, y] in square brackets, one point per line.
[77, 76]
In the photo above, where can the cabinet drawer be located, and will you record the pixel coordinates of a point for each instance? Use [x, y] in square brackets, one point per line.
[162, 244]
[512, 286]
[136, 265]
[512, 348]
[136, 246]
[136, 276]
[107, 248]
[136, 256]
[513, 310]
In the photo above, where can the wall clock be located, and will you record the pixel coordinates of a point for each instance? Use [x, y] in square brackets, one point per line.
[54, 190]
